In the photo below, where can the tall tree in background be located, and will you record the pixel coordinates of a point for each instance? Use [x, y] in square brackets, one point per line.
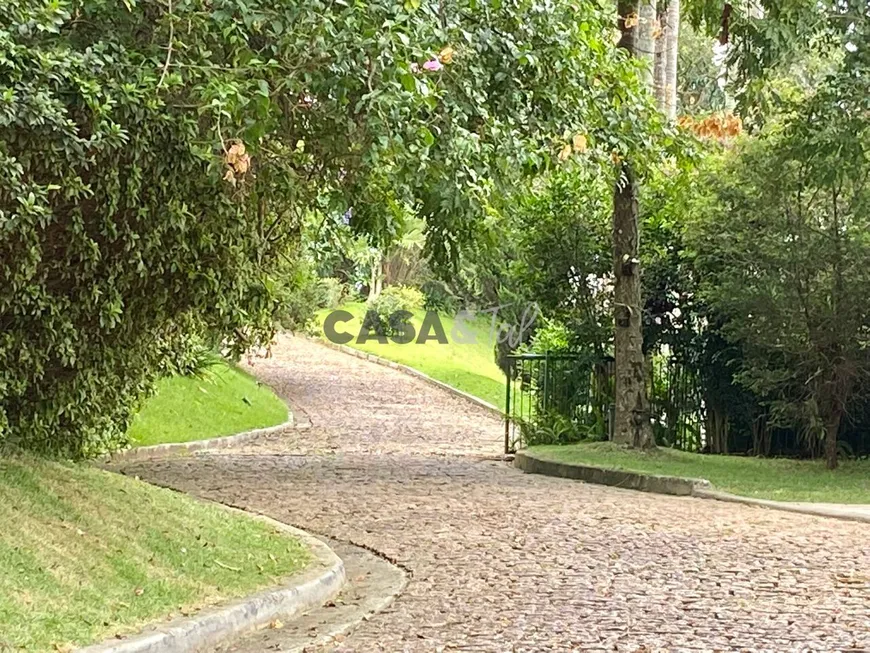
[666, 33]
[631, 421]
[672, 47]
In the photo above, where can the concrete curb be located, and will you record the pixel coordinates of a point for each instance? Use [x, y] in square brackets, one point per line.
[613, 477]
[319, 583]
[297, 419]
[185, 448]
[695, 487]
[480, 403]
[832, 511]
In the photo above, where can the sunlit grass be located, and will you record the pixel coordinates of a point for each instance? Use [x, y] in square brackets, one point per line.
[470, 367]
[225, 401]
[780, 479]
[86, 554]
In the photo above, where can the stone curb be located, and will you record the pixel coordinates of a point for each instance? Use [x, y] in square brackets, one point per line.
[614, 477]
[410, 371]
[319, 583]
[184, 448]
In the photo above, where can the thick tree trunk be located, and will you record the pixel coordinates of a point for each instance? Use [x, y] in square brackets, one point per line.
[631, 419]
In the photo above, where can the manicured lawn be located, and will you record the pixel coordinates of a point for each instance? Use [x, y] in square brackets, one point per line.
[779, 479]
[469, 367]
[225, 402]
[86, 554]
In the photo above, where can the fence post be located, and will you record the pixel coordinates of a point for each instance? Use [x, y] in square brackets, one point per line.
[546, 402]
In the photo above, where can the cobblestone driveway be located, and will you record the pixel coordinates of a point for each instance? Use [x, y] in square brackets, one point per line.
[502, 561]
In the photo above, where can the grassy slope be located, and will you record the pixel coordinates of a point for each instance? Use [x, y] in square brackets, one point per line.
[469, 367]
[225, 402]
[86, 554]
[779, 479]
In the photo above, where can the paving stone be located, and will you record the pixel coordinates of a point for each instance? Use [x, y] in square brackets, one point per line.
[504, 561]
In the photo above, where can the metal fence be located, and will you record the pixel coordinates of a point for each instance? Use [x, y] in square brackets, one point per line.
[570, 394]
[567, 397]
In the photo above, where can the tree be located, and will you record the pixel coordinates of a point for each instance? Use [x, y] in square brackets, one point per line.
[159, 160]
[632, 420]
[781, 243]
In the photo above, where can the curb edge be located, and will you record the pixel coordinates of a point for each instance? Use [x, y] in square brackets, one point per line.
[311, 588]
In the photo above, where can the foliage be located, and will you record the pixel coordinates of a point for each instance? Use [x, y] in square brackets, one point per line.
[780, 50]
[698, 82]
[295, 292]
[780, 239]
[332, 292]
[387, 309]
[559, 254]
[551, 336]
[551, 428]
[438, 297]
[158, 160]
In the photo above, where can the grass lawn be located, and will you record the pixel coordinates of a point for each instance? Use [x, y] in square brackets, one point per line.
[225, 402]
[469, 367]
[86, 554]
[779, 479]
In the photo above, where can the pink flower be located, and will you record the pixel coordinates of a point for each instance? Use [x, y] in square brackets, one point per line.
[433, 65]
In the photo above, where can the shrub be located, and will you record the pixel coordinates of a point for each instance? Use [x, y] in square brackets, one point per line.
[297, 293]
[331, 292]
[384, 309]
[553, 428]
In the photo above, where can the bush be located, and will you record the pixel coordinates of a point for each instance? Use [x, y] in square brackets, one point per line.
[331, 292]
[553, 428]
[297, 293]
[393, 300]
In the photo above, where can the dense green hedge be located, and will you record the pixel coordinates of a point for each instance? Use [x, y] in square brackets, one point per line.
[119, 237]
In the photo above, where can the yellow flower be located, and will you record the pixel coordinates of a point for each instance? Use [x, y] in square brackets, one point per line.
[446, 55]
[565, 153]
[580, 144]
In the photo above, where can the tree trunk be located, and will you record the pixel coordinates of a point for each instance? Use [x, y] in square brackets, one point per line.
[631, 419]
[645, 36]
[661, 61]
[671, 40]
[717, 428]
[377, 278]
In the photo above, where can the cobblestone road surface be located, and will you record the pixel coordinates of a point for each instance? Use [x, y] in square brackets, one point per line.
[502, 561]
